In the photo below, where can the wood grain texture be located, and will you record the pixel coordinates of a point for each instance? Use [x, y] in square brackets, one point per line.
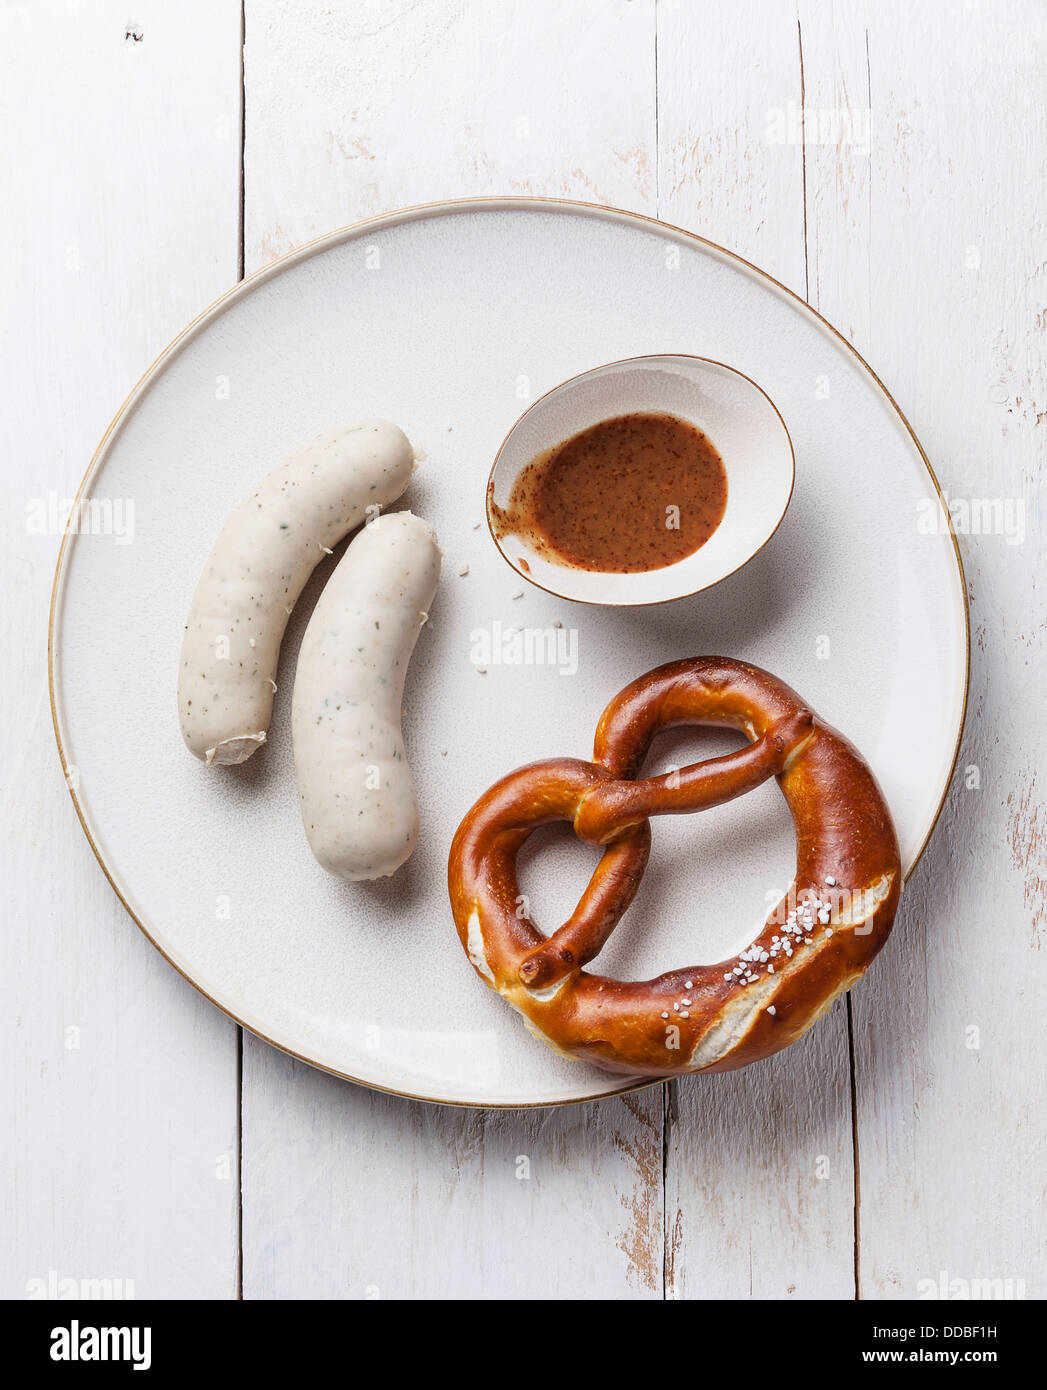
[353, 1194]
[349, 112]
[728, 78]
[776, 1138]
[357, 109]
[120, 175]
[928, 251]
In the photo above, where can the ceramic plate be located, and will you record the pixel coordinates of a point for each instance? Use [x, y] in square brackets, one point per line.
[751, 439]
[448, 319]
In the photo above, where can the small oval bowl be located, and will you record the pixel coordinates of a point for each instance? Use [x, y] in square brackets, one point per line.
[740, 420]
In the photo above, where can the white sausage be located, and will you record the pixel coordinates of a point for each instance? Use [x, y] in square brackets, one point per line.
[354, 785]
[260, 563]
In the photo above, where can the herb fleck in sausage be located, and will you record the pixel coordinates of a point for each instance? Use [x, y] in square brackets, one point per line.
[259, 565]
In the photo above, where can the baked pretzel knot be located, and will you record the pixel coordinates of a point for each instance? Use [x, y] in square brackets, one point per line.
[816, 943]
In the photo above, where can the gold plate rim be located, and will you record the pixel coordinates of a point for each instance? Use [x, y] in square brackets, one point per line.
[417, 212]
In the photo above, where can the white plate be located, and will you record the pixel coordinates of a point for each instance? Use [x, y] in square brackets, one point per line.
[447, 319]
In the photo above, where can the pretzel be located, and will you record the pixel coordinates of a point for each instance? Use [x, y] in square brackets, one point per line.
[815, 944]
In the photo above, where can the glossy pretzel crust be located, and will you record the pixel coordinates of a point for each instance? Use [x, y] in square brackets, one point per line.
[703, 1017]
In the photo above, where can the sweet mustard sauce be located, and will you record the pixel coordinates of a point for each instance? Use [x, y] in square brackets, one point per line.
[637, 492]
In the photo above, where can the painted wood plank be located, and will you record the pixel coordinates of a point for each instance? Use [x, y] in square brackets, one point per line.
[352, 1194]
[357, 109]
[931, 255]
[352, 110]
[119, 1084]
[759, 1175]
[730, 161]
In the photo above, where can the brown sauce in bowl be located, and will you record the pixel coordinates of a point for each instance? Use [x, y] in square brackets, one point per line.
[637, 492]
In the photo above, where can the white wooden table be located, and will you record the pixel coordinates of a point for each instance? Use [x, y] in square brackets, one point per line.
[156, 152]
